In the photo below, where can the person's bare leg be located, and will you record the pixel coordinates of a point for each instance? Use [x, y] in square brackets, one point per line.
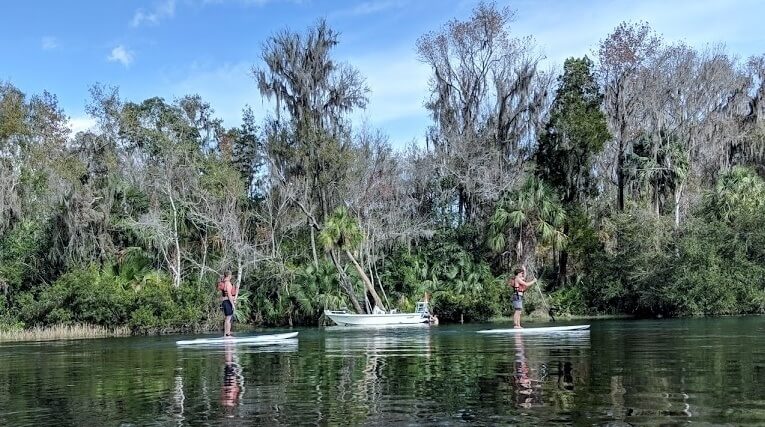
[227, 326]
[517, 319]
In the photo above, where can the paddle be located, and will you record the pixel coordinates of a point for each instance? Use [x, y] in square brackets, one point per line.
[544, 300]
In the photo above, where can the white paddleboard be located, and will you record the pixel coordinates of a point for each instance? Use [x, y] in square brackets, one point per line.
[241, 340]
[551, 329]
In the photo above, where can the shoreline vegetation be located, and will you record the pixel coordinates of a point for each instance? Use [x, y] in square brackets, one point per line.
[62, 332]
[630, 182]
[86, 331]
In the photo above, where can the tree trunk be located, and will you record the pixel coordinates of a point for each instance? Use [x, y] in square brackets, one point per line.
[563, 259]
[372, 274]
[239, 268]
[204, 262]
[620, 177]
[176, 240]
[313, 248]
[273, 240]
[365, 279]
[346, 286]
[657, 200]
[678, 195]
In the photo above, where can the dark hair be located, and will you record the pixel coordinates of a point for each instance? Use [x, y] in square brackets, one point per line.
[518, 271]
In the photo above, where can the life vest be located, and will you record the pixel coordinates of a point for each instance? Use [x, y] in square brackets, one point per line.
[222, 289]
[517, 289]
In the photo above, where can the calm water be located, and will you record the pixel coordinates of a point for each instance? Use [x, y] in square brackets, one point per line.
[670, 372]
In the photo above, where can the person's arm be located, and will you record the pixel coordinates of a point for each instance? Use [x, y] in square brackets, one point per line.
[525, 285]
[231, 299]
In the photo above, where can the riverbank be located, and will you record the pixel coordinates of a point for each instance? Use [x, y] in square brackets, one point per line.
[84, 331]
[62, 332]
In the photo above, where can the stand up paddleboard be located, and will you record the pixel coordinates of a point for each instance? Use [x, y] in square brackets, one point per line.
[551, 329]
[259, 339]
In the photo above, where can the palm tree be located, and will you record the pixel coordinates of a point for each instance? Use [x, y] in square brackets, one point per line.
[740, 191]
[341, 231]
[659, 165]
[315, 289]
[529, 216]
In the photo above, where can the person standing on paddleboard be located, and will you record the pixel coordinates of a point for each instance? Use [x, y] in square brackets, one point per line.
[519, 284]
[228, 301]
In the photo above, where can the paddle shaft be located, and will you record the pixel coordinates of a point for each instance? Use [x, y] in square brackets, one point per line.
[542, 295]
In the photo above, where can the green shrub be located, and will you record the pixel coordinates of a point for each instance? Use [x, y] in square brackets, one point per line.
[449, 267]
[569, 300]
[20, 257]
[98, 297]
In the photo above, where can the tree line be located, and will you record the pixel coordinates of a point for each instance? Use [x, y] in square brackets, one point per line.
[631, 182]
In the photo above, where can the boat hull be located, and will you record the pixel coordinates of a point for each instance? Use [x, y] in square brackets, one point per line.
[350, 319]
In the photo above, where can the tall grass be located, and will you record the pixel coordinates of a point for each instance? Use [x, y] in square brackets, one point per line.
[61, 332]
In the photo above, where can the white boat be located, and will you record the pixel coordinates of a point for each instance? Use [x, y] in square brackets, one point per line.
[547, 330]
[256, 339]
[345, 318]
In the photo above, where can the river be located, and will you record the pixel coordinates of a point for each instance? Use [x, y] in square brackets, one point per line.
[622, 372]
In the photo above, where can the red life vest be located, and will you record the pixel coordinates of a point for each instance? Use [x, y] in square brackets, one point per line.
[222, 289]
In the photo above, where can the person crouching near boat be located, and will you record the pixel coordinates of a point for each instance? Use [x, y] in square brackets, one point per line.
[519, 284]
[227, 301]
[433, 319]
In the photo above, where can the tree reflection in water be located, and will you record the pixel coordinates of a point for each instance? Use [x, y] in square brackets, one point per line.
[394, 377]
[638, 373]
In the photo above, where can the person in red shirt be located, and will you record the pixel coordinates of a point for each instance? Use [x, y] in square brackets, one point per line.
[519, 284]
[228, 301]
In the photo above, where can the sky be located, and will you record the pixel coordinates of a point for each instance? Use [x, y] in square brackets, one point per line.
[171, 48]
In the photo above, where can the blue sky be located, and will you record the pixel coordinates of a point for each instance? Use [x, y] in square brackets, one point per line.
[174, 47]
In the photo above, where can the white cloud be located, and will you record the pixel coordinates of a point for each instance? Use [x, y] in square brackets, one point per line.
[49, 43]
[122, 55]
[163, 9]
[81, 124]
[398, 84]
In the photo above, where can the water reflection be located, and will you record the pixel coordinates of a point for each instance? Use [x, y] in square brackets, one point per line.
[378, 342]
[371, 364]
[230, 383]
[535, 371]
[233, 381]
[565, 376]
[524, 387]
[623, 373]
